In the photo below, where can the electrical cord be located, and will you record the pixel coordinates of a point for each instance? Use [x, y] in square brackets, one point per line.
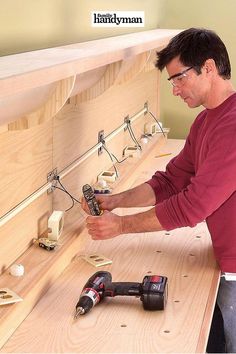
[63, 189]
[73, 203]
[110, 153]
[131, 132]
[111, 157]
[158, 123]
[76, 200]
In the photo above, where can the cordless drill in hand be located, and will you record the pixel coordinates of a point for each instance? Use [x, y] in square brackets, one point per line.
[152, 291]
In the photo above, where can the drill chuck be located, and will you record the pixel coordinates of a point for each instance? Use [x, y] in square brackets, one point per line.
[88, 299]
[93, 292]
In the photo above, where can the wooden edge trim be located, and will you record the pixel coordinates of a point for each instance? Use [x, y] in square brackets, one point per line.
[206, 324]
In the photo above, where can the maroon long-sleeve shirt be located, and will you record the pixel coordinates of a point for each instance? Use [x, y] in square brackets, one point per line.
[200, 183]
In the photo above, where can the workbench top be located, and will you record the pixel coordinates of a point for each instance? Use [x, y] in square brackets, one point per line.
[120, 324]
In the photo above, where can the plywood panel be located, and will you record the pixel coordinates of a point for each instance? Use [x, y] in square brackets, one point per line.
[42, 267]
[76, 129]
[87, 173]
[77, 125]
[25, 159]
[17, 235]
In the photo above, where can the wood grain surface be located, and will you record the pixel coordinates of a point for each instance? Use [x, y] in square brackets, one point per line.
[42, 268]
[120, 324]
[58, 120]
[28, 155]
[24, 71]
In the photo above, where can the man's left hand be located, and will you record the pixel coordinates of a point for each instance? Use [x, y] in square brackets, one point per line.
[105, 226]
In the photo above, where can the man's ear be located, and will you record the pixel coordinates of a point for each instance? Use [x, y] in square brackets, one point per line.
[209, 65]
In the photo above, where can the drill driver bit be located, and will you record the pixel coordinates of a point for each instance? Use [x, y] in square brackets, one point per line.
[79, 311]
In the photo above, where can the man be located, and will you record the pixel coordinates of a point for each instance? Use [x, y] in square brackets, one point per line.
[200, 183]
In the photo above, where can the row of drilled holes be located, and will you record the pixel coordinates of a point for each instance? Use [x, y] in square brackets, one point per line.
[184, 276]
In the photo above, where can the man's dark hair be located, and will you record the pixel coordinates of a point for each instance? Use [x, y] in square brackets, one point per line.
[193, 47]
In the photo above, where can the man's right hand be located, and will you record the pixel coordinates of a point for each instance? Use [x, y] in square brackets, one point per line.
[105, 202]
[139, 196]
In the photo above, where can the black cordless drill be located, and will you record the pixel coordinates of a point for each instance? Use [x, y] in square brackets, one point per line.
[152, 291]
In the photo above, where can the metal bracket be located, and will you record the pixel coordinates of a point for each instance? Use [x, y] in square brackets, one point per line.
[100, 139]
[51, 177]
[146, 106]
[126, 120]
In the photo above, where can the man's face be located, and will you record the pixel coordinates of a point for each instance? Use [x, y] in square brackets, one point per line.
[191, 87]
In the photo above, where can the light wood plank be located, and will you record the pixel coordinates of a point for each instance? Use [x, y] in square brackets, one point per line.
[25, 71]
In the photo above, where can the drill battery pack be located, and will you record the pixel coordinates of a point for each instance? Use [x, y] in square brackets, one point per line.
[155, 292]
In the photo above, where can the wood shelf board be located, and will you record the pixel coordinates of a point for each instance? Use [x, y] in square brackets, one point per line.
[24, 71]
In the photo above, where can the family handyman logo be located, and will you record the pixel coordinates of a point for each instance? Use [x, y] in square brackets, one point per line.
[117, 18]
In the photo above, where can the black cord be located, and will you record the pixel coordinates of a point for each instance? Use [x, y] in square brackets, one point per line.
[73, 203]
[133, 136]
[158, 123]
[111, 157]
[63, 189]
[110, 153]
